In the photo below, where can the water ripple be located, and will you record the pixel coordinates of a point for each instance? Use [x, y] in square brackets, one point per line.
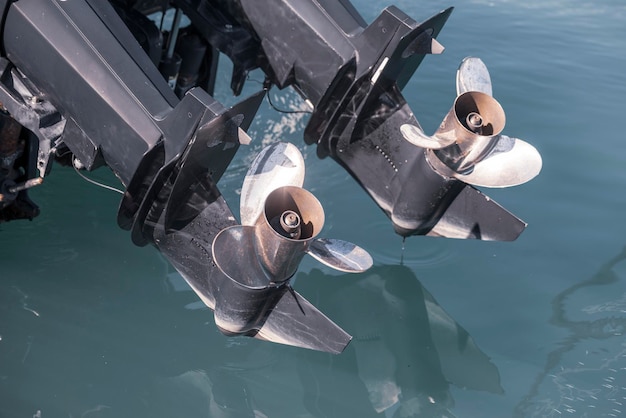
[413, 252]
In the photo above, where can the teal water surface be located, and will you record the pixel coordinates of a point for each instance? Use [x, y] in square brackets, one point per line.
[92, 326]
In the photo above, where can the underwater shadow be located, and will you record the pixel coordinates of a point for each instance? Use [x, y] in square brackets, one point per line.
[405, 354]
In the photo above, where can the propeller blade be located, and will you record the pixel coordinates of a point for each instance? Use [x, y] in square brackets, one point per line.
[473, 75]
[511, 163]
[280, 164]
[340, 255]
[416, 136]
[234, 254]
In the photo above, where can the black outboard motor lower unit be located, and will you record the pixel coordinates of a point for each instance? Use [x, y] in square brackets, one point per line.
[94, 83]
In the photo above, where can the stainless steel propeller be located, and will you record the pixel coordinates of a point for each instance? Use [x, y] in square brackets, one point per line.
[273, 187]
[280, 224]
[468, 145]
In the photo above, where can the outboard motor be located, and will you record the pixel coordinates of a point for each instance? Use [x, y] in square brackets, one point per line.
[75, 78]
[352, 73]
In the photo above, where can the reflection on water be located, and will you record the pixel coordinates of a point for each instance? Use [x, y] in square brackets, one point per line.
[403, 380]
[585, 376]
[375, 376]
[69, 357]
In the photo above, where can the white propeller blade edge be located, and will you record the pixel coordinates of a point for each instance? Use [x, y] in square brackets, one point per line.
[473, 75]
[417, 137]
[520, 163]
[340, 255]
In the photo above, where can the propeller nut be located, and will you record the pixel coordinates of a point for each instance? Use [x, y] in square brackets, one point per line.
[288, 225]
[474, 123]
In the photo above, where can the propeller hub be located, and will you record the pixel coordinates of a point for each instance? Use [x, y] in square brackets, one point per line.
[292, 218]
[474, 122]
[289, 225]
